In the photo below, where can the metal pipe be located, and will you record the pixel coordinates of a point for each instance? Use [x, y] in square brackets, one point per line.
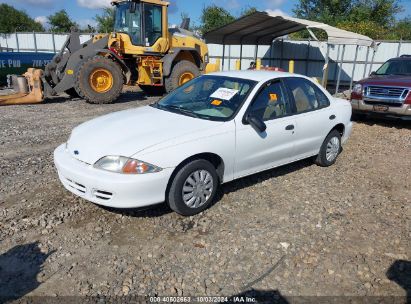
[241, 54]
[282, 53]
[372, 60]
[325, 72]
[366, 62]
[336, 66]
[35, 42]
[17, 42]
[54, 42]
[222, 67]
[353, 68]
[256, 53]
[399, 48]
[307, 56]
[339, 71]
[229, 57]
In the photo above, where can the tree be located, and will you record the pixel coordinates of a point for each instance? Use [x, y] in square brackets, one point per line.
[248, 11]
[60, 22]
[374, 18]
[105, 22]
[403, 29]
[213, 17]
[12, 20]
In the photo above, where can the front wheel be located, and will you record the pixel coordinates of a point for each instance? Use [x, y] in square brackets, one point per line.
[99, 80]
[193, 188]
[330, 149]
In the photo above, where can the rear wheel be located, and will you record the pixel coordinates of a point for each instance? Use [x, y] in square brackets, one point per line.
[193, 188]
[330, 149]
[182, 72]
[99, 80]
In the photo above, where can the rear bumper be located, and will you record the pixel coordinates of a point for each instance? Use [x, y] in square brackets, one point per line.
[107, 188]
[403, 112]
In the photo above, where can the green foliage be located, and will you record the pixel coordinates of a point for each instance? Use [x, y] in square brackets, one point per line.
[105, 22]
[403, 29]
[373, 18]
[60, 22]
[248, 11]
[12, 20]
[213, 17]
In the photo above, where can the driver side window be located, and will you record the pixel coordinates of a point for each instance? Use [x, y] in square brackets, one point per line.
[152, 23]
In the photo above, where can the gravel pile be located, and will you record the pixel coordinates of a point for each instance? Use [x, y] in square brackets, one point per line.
[298, 230]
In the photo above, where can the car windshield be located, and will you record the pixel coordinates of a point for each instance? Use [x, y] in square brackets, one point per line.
[395, 67]
[208, 97]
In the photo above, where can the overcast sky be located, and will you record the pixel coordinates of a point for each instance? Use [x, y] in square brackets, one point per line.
[83, 11]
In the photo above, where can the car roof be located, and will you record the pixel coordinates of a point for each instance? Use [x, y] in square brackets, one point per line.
[260, 76]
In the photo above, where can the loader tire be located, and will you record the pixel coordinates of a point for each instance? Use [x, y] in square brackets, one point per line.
[99, 80]
[182, 72]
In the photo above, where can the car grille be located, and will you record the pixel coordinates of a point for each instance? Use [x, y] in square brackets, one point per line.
[382, 92]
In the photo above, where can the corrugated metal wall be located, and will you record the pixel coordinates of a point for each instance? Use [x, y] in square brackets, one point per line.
[308, 55]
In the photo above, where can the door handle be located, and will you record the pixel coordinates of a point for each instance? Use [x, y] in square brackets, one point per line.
[289, 127]
[332, 117]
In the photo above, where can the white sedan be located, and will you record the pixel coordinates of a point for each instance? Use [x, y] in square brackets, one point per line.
[212, 130]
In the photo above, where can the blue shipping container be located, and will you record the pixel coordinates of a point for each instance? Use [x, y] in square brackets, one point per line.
[19, 62]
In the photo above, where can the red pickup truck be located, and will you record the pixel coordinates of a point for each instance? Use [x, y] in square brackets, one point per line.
[387, 91]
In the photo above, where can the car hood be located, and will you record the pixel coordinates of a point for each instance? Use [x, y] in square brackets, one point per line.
[128, 132]
[388, 80]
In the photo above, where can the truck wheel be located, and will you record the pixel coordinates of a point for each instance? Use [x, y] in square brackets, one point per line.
[99, 80]
[182, 72]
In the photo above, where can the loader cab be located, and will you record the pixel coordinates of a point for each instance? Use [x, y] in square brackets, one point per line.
[145, 24]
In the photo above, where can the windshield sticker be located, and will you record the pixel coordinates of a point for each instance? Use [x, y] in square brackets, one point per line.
[224, 94]
[273, 97]
[216, 102]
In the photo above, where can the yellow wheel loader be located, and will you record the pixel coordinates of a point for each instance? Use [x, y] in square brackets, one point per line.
[141, 51]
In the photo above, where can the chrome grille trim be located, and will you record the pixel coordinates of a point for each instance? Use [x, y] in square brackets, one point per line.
[388, 94]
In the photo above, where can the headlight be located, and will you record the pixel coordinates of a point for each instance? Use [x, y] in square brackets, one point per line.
[121, 164]
[357, 89]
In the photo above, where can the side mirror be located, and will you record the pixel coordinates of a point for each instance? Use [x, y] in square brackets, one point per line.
[133, 7]
[257, 123]
[373, 73]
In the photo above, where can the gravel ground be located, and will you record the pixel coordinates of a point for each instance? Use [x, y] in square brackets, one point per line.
[298, 230]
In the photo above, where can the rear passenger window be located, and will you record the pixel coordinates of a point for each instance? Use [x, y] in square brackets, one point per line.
[307, 96]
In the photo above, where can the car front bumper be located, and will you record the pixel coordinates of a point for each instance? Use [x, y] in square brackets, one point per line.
[108, 188]
[403, 112]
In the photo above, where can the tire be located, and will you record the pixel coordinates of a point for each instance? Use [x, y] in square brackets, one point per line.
[172, 82]
[332, 144]
[72, 93]
[152, 90]
[180, 182]
[109, 91]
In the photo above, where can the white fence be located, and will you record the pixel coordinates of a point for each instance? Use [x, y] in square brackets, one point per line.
[309, 56]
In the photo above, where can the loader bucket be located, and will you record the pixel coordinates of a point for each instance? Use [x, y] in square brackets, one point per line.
[25, 89]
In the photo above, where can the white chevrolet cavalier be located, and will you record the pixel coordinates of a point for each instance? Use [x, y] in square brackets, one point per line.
[212, 130]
